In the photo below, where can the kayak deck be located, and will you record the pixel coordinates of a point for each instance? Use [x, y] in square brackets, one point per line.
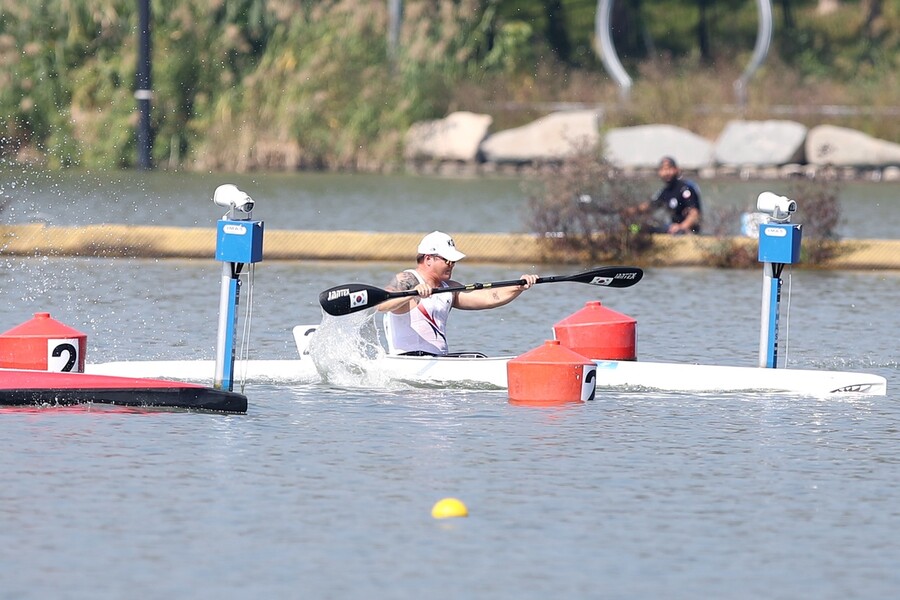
[490, 373]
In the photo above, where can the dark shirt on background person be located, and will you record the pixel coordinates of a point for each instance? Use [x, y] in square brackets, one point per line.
[679, 196]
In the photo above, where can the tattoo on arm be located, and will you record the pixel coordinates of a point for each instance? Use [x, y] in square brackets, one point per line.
[402, 282]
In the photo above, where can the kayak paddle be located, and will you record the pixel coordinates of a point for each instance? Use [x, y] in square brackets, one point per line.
[354, 297]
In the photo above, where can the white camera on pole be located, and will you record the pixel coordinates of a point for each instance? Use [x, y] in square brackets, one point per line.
[780, 208]
[230, 197]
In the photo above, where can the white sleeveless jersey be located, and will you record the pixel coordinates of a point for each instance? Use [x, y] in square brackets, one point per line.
[423, 328]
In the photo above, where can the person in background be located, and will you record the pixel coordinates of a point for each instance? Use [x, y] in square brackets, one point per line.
[679, 196]
[417, 325]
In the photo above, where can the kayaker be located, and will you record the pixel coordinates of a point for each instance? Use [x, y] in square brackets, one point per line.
[417, 325]
[679, 196]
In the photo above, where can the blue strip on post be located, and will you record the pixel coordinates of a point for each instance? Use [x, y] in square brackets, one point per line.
[774, 304]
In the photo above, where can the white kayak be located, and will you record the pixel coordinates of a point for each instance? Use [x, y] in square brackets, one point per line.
[465, 371]
[716, 378]
[490, 373]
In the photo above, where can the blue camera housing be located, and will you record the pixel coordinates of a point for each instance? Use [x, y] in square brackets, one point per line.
[239, 241]
[779, 243]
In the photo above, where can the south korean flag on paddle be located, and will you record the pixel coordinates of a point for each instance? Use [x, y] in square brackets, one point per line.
[360, 298]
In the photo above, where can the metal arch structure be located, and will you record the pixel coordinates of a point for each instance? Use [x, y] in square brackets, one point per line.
[760, 50]
[610, 59]
[395, 20]
[606, 49]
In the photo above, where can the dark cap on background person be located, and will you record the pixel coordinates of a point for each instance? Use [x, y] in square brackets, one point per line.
[668, 160]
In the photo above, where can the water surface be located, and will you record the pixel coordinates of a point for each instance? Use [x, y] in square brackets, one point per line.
[324, 492]
[328, 201]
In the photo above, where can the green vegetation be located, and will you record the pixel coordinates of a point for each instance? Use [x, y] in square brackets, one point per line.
[285, 84]
[583, 210]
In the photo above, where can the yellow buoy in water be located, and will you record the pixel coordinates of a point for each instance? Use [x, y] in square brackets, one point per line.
[449, 508]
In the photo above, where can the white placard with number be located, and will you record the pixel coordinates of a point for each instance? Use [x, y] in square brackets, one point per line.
[62, 355]
[588, 382]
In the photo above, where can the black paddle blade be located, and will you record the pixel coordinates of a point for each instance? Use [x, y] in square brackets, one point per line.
[617, 277]
[351, 297]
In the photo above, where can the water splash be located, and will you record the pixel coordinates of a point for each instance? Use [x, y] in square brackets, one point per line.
[345, 351]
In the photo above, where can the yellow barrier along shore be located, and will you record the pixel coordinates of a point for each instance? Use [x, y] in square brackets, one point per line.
[136, 241]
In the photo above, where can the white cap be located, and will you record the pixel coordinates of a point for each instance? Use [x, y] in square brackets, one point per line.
[441, 244]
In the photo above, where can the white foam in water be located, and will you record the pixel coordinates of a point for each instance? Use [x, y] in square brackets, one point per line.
[345, 351]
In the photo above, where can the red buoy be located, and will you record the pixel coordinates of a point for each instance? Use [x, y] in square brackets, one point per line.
[43, 344]
[599, 333]
[550, 374]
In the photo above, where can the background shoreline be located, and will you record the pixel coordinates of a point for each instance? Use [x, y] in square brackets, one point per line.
[139, 241]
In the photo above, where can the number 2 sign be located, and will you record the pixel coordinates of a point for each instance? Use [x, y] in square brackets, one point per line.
[62, 355]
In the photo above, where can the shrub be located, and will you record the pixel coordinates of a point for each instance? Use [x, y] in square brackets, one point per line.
[819, 210]
[581, 208]
[729, 250]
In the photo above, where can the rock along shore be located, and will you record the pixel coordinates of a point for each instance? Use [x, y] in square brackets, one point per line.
[107, 241]
[463, 143]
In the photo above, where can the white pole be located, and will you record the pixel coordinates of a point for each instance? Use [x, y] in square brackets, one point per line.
[764, 315]
[223, 323]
